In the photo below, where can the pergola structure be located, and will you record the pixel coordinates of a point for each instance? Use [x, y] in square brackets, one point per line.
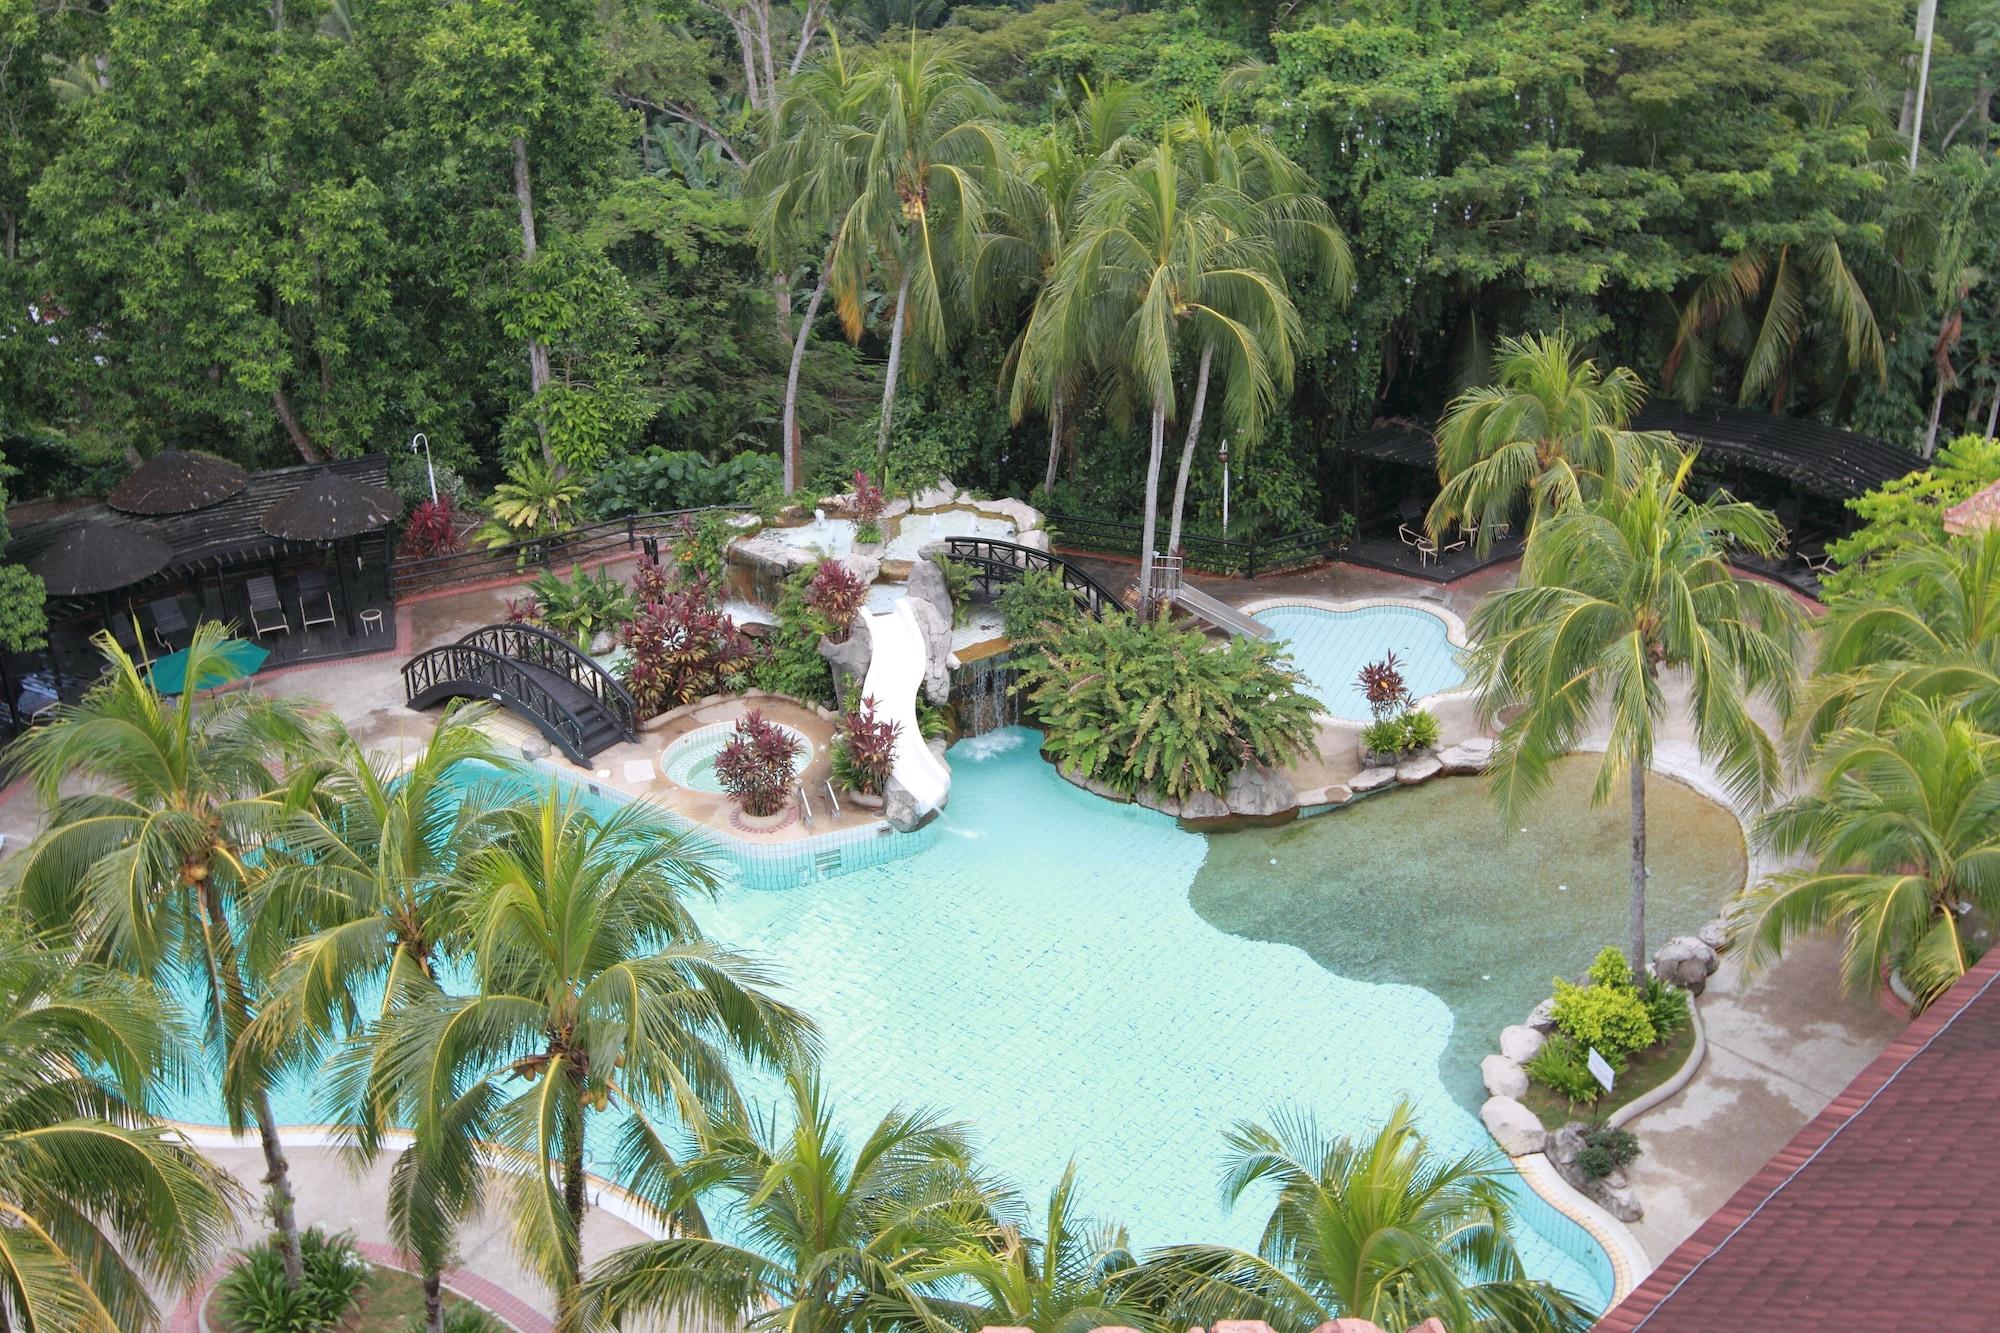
[310, 541]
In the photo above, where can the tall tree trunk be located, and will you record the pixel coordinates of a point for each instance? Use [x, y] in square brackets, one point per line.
[433, 1301]
[1156, 447]
[308, 451]
[568, 1311]
[1993, 415]
[1638, 780]
[889, 381]
[1187, 447]
[1913, 108]
[791, 446]
[538, 355]
[1055, 440]
[1931, 431]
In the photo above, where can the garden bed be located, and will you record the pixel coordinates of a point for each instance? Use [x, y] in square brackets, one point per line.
[390, 1300]
[1644, 1071]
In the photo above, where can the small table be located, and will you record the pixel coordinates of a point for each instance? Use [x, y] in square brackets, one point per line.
[371, 620]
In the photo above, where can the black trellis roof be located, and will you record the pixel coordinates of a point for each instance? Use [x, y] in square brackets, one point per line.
[1818, 459]
[220, 537]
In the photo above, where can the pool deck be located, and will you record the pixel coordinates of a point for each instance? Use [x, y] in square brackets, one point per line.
[1782, 1044]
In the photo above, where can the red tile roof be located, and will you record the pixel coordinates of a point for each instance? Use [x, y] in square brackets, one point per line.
[1883, 1212]
[1975, 513]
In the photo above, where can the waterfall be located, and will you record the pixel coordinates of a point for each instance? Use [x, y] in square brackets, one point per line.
[982, 693]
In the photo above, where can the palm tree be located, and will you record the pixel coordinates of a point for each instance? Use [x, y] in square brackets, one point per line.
[371, 865]
[590, 986]
[1551, 428]
[833, 1236]
[1930, 632]
[933, 152]
[1070, 1279]
[1613, 596]
[1298, 230]
[1379, 1229]
[162, 844]
[1903, 831]
[96, 1202]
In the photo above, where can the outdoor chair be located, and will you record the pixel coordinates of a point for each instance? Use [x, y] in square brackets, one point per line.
[1426, 549]
[166, 620]
[315, 601]
[267, 613]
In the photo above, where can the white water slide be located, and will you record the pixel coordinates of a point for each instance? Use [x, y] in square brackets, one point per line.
[895, 674]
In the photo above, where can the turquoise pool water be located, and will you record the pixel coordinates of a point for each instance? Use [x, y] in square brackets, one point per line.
[1331, 647]
[1060, 992]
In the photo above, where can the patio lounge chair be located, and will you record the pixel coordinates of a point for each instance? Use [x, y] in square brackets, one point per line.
[166, 620]
[315, 602]
[267, 613]
[1426, 549]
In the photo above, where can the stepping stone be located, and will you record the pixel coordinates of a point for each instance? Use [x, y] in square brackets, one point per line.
[1371, 779]
[1422, 769]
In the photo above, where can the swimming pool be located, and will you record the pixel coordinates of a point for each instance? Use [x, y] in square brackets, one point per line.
[690, 760]
[1062, 994]
[1330, 645]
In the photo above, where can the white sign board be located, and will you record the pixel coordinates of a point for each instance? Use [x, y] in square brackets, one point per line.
[1600, 1068]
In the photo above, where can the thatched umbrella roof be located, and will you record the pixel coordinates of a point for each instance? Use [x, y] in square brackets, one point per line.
[178, 481]
[95, 557]
[330, 507]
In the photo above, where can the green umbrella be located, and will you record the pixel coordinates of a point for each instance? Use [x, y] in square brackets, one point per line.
[242, 656]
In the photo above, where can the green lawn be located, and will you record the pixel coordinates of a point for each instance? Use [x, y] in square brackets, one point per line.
[392, 1301]
[1643, 1072]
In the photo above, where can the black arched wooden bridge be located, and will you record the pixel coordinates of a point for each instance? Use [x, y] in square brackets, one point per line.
[997, 562]
[573, 701]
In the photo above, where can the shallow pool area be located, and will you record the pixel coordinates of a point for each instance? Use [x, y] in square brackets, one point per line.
[690, 760]
[1062, 993]
[906, 535]
[1330, 645]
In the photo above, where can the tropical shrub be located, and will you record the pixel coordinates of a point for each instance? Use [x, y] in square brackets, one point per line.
[256, 1297]
[958, 586]
[459, 1318]
[1609, 1014]
[1035, 604]
[699, 543]
[661, 480]
[650, 581]
[1382, 685]
[1606, 1150]
[581, 606]
[1610, 968]
[681, 647]
[864, 749]
[1667, 1006]
[836, 595]
[868, 505]
[791, 664]
[524, 610]
[431, 529]
[535, 500]
[1561, 1066]
[1420, 729]
[1385, 735]
[755, 766]
[1906, 512]
[1144, 706]
[411, 480]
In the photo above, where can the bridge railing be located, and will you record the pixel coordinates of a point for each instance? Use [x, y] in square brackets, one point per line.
[550, 652]
[994, 561]
[455, 665]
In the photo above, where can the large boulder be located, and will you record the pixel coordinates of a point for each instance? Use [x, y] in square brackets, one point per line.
[1422, 768]
[1543, 1017]
[1206, 805]
[1466, 757]
[1503, 1077]
[1257, 790]
[1609, 1193]
[1513, 1126]
[1519, 1042]
[1716, 934]
[927, 584]
[899, 807]
[936, 629]
[1371, 779]
[865, 568]
[850, 657]
[1686, 962]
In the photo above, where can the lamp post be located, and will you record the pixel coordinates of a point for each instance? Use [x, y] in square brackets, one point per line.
[424, 441]
[1224, 451]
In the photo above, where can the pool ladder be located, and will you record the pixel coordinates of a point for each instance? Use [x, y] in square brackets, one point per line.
[805, 802]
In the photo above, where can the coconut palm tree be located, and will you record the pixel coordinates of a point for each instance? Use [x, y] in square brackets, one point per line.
[1617, 598]
[1377, 1228]
[1300, 235]
[1551, 428]
[1930, 632]
[1069, 1279]
[833, 1234]
[934, 150]
[159, 841]
[590, 987]
[98, 1205]
[371, 865]
[1903, 831]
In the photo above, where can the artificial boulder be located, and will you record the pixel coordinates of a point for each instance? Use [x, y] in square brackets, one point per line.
[1420, 768]
[1686, 962]
[1257, 790]
[1519, 1042]
[1543, 1017]
[1503, 1077]
[1371, 779]
[927, 585]
[900, 809]
[936, 629]
[865, 568]
[1715, 934]
[1513, 1126]
[850, 657]
[1467, 756]
[1608, 1193]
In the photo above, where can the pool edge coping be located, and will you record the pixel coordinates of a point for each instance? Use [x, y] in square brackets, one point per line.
[1455, 633]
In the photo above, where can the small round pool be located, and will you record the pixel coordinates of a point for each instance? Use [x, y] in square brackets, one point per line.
[690, 761]
[1330, 645]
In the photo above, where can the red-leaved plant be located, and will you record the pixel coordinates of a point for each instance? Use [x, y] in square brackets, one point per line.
[868, 498]
[680, 647]
[1382, 685]
[836, 596]
[649, 581]
[864, 749]
[432, 529]
[524, 610]
[755, 766]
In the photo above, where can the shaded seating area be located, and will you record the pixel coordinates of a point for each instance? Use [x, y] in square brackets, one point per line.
[295, 558]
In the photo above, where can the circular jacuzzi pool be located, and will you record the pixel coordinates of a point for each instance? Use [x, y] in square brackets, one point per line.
[690, 761]
[1331, 642]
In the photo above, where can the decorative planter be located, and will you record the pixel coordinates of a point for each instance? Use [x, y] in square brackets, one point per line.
[763, 823]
